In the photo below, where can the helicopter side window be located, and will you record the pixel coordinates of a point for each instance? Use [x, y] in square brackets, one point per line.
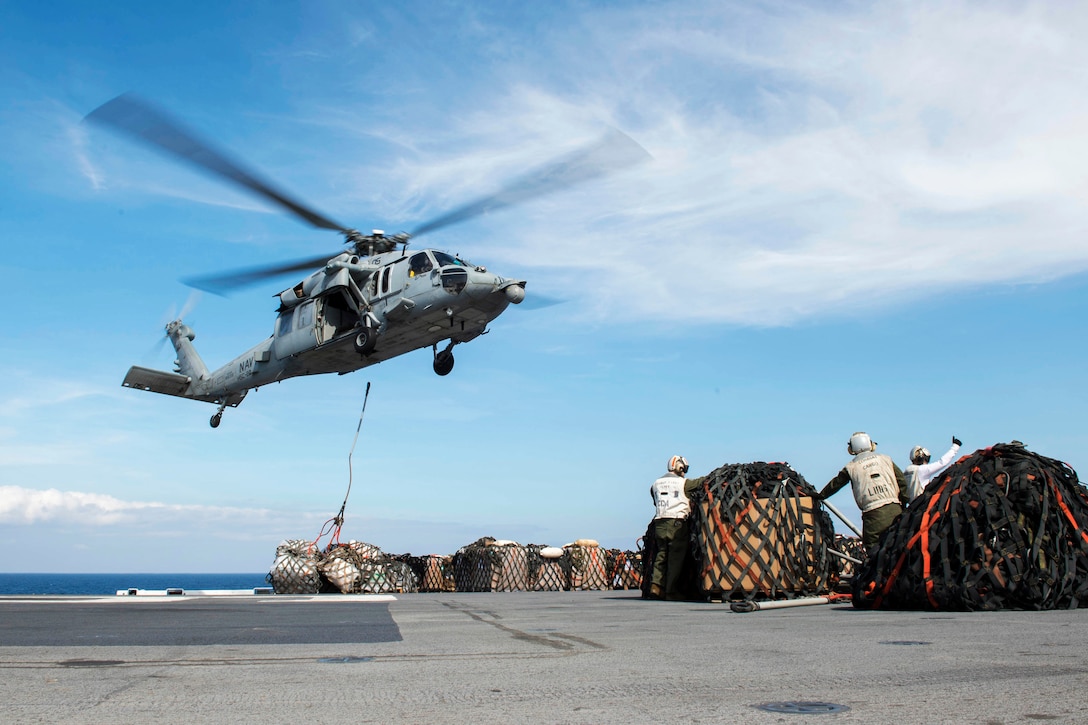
[284, 326]
[420, 264]
[305, 316]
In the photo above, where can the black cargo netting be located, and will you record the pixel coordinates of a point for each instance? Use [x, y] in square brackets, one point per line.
[295, 570]
[341, 564]
[589, 567]
[510, 568]
[548, 573]
[758, 532]
[352, 568]
[625, 570]
[387, 576]
[488, 565]
[434, 572]
[485, 565]
[472, 566]
[1003, 528]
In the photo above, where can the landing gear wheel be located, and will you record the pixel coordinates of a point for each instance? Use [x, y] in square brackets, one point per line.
[443, 362]
[218, 417]
[365, 340]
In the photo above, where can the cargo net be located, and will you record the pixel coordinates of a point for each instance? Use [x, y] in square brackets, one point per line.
[625, 569]
[387, 576]
[295, 570]
[758, 532]
[352, 568]
[489, 565]
[589, 566]
[1003, 528]
[434, 572]
[549, 568]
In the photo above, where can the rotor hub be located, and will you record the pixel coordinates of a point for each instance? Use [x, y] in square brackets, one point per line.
[377, 242]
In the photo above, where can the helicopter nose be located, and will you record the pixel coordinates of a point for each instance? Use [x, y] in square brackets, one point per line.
[482, 284]
[515, 292]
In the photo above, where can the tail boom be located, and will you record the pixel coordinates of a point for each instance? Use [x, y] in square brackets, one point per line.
[190, 378]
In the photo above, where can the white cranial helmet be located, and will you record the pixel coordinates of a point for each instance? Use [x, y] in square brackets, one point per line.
[678, 465]
[860, 443]
[919, 455]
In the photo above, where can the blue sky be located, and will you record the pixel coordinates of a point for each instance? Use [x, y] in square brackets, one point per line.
[855, 218]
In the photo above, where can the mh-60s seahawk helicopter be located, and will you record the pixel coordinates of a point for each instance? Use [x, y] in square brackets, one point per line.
[366, 304]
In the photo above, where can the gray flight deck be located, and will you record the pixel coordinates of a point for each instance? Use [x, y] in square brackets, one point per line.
[529, 657]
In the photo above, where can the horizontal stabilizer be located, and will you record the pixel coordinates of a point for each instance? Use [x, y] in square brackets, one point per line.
[156, 381]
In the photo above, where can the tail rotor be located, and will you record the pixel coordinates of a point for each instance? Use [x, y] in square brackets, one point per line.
[172, 314]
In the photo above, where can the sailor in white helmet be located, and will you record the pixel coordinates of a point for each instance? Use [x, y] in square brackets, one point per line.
[671, 508]
[920, 471]
[880, 489]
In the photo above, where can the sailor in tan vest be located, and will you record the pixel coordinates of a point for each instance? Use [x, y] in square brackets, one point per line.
[671, 508]
[880, 489]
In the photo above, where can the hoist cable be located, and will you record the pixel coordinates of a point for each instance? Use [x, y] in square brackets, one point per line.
[358, 428]
[333, 525]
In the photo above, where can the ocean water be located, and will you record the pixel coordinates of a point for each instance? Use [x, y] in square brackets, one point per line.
[98, 584]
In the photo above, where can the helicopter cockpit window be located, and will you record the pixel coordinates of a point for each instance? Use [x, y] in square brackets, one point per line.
[444, 259]
[420, 264]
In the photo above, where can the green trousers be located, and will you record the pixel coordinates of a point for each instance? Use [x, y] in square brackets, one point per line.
[671, 536]
[873, 523]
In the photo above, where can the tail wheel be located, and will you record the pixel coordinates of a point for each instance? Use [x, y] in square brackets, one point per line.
[216, 420]
[365, 340]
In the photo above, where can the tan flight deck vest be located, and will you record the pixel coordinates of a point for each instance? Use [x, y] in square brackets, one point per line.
[670, 501]
[872, 476]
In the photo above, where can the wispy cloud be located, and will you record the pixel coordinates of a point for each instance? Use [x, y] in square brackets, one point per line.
[93, 516]
[77, 135]
[824, 149]
[36, 393]
[20, 505]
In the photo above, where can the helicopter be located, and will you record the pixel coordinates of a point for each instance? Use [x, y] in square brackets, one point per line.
[366, 304]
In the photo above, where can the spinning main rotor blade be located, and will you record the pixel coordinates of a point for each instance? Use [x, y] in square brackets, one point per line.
[612, 152]
[132, 116]
[138, 119]
[224, 282]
